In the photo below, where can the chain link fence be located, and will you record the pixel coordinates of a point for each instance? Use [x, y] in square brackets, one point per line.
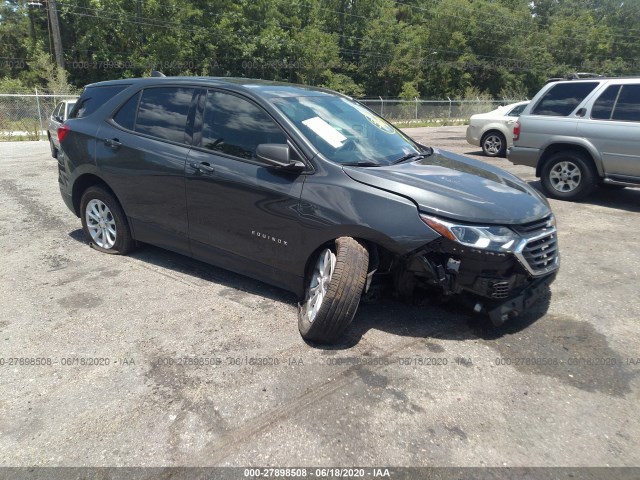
[26, 116]
[445, 112]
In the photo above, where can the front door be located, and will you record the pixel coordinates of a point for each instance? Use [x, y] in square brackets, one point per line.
[243, 215]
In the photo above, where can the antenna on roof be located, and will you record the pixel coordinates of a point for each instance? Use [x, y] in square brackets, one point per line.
[155, 73]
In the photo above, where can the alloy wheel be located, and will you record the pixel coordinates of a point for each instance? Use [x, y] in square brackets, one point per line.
[492, 144]
[320, 280]
[101, 224]
[565, 176]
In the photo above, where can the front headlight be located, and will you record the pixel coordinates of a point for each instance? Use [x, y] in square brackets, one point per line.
[493, 238]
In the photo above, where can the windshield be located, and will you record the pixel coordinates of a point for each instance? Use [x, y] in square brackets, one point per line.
[346, 132]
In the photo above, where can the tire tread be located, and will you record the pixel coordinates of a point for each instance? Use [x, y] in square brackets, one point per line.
[343, 294]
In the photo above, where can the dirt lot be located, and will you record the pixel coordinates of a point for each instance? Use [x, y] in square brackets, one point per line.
[119, 337]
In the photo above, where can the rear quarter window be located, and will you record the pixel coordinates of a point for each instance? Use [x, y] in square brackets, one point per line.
[93, 98]
[627, 107]
[515, 112]
[126, 116]
[563, 98]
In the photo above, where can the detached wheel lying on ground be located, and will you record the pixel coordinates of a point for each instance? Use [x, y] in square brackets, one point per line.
[104, 223]
[333, 291]
[568, 176]
[494, 144]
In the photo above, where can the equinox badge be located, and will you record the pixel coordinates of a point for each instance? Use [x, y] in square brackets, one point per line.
[269, 237]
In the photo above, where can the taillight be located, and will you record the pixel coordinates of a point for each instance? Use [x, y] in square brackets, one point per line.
[516, 131]
[62, 132]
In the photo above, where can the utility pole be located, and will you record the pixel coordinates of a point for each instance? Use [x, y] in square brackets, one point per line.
[139, 23]
[55, 31]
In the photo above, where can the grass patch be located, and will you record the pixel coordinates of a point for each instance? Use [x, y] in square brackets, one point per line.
[429, 123]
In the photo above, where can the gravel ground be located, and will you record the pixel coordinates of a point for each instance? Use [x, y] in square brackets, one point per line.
[118, 337]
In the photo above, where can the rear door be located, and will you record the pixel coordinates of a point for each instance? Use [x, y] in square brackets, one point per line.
[142, 152]
[614, 129]
[242, 214]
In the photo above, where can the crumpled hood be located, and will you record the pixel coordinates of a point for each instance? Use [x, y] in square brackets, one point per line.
[460, 188]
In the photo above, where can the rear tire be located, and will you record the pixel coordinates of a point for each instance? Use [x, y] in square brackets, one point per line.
[333, 291]
[54, 150]
[568, 175]
[104, 223]
[494, 144]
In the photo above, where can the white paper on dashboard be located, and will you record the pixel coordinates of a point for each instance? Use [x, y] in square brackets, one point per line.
[329, 134]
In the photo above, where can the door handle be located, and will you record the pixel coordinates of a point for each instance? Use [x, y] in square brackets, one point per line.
[203, 167]
[113, 143]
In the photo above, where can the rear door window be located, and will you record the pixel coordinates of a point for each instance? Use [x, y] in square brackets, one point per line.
[628, 105]
[163, 112]
[563, 98]
[93, 98]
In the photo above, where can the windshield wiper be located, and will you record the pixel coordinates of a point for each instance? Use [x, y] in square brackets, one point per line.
[360, 164]
[412, 156]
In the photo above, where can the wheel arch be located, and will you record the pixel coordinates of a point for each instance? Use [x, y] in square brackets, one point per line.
[554, 148]
[85, 181]
[501, 129]
[377, 254]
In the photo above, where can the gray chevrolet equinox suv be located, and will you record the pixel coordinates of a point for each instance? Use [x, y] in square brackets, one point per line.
[302, 188]
[579, 134]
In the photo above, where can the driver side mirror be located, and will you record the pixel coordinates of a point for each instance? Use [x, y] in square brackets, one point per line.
[278, 156]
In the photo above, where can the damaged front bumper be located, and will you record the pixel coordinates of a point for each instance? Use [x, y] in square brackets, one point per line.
[501, 285]
[533, 293]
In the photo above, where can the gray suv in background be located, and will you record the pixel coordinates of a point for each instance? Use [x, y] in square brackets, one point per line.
[579, 134]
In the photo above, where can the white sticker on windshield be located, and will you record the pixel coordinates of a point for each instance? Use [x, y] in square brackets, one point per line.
[329, 134]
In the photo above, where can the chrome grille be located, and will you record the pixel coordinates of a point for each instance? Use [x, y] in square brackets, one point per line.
[539, 255]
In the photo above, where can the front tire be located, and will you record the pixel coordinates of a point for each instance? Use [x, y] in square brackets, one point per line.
[494, 144]
[104, 223]
[568, 176]
[333, 292]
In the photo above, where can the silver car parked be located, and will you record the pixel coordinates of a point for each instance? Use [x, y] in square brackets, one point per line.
[493, 131]
[59, 115]
[579, 134]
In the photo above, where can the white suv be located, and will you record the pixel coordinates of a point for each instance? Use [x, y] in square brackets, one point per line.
[579, 134]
